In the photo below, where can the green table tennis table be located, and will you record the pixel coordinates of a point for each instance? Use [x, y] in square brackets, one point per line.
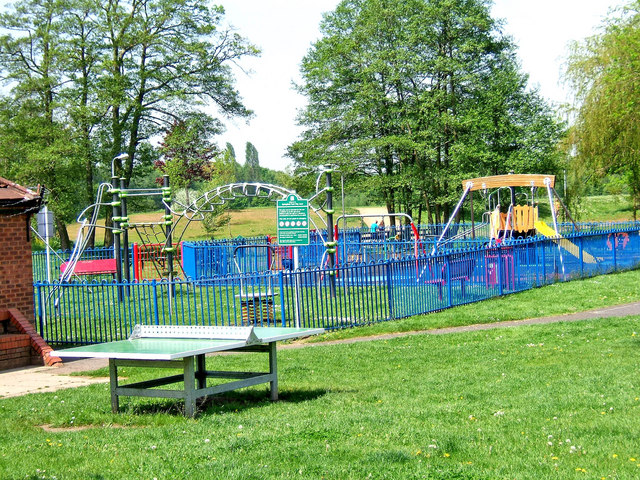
[185, 347]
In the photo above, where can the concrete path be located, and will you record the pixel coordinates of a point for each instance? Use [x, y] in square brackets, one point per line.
[26, 380]
[604, 312]
[20, 381]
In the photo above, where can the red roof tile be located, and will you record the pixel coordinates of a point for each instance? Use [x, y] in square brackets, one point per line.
[12, 191]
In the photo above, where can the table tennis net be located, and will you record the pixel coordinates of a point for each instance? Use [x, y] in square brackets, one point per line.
[195, 331]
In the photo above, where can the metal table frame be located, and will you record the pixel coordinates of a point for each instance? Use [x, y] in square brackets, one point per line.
[194, 377]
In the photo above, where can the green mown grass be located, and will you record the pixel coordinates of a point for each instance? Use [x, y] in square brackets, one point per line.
[534, 402]
[556, 299]
[537, 402]
[605, 208]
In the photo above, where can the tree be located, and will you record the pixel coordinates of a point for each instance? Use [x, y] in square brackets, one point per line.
[252, 163]
[223, 172]
[416, 95]
[119, 72]
[603, 72]
[187, 152]
[35, 145]
[34, 150]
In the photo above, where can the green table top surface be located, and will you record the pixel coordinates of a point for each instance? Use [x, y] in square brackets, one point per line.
[175, 348]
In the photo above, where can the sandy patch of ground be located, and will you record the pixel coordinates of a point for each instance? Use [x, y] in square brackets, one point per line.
[381, 211]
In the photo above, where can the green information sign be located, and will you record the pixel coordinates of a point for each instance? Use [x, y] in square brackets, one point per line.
[293, 221]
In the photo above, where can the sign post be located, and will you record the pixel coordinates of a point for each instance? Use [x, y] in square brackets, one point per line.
[293, 221]
[293, 231]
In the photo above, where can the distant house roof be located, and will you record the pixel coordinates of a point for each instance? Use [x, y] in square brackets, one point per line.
[15, 198]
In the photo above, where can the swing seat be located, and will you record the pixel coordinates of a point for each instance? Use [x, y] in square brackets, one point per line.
[106, 266]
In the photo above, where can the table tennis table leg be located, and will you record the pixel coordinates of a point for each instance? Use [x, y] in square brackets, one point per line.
[273, 370]
[113, 382]
[201, 372]
[189, 387]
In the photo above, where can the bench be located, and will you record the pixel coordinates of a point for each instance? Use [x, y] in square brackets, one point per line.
[106, 266]
[460, 269]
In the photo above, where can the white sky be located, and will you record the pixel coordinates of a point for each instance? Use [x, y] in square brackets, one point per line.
[285, 30]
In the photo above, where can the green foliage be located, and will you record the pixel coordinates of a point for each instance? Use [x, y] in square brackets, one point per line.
[187, 152]
[252, 164]
[35, 150]
[603, 73]
[114, 74]
[415, 96]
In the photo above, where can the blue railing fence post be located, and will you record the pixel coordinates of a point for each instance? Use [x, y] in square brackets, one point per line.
[447, 265]
[543, 247]
[283, 311]
[613, 249]
[389, 290]
[581, 256]
[156, 309]
[499, 272]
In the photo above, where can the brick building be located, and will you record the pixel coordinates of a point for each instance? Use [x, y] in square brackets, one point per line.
[19, 343]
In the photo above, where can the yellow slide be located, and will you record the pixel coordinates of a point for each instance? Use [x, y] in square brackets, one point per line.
[545, 230]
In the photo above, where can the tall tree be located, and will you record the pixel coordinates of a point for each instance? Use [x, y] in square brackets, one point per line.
[34, 141]
[187, 152]
[119, 72]
[397, 92]
[252, 163]
[603, 71]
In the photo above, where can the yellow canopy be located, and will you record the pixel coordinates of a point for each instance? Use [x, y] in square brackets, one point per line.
[511, 180]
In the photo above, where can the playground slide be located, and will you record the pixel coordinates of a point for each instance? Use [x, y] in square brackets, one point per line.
[545, 230]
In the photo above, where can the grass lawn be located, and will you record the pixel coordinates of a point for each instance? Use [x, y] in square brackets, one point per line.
[556, 299]
[248, 222]
[606, 208]
[539, 402]
[535, 402]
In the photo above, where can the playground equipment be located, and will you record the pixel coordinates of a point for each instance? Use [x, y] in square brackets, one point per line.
[256, 302]
[520, 220]
[546, 231]
[161, 239]
[380, 236]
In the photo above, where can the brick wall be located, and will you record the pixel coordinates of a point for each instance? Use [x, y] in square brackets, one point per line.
[16, 351]
[16, 276]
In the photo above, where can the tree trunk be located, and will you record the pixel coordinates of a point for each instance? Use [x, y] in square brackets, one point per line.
[89, 194]
[108, 234]
[61, 227]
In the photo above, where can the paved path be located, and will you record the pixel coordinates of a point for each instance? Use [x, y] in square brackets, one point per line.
[21, 381]
[604, 312]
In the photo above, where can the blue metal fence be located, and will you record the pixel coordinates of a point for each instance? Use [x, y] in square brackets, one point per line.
[365, 293]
